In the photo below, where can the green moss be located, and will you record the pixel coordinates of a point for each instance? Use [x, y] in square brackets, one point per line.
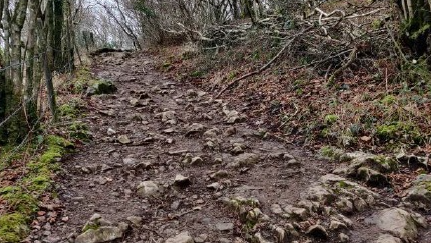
[401, 131]
[13, 227]
[389, 164]
[326, 132]
[53, 140]
[91, 226]
[197, 74]
[331, 153]
[17, 199]
[38, 183]
[331, 119]
[343, 185]
[81, 81]
[387, 131]
[248, 226]
[427, 185]
[388, 100]
[9, 189]
[79, 130]
[67, 110]
[22, 200]
[377, 24]
[166, 65]
[50, 156]
[56, 148]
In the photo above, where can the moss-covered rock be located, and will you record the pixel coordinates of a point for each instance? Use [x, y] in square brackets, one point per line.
[420, 193]
[101, 87]
[372, 177]
[369, 168]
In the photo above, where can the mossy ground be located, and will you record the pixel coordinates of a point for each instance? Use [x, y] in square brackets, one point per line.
[82, 79]
[22, 199]
[13, 227]
[331, 153]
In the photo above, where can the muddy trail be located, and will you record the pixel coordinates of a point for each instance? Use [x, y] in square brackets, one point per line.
[169, 163]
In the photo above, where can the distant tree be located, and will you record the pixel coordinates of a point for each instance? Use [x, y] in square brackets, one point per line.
[38, 38]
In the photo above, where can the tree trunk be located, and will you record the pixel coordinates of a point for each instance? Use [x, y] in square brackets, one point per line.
[235, 9]
[3, 101]
[17, 126]
[57, 34]
[67, 44]
[31, 65]
[416, 26]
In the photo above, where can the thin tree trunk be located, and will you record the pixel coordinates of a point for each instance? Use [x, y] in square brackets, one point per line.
[57, 35]
[235, 8]
[31, 65]
[3, 103]
[12, 26]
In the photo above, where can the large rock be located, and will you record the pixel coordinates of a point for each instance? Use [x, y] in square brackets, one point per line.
[398, 222]
[101, 87]
[149, 189]
[246, 159]
[258, 237]
[212, 133]
[370, 168]
[372, 177]
[182, 181]
[344, 186]
[317, 231]
[387, 238]
[168, 117]
[413, 160]
[233, 116]
[184, 237]
[300, 213]
[376, 162]
[195, 128]
[224, 226]
[420, 193]
[102, 234]
[320, 194]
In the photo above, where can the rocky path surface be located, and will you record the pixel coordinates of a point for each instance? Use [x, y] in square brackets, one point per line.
[168, 163]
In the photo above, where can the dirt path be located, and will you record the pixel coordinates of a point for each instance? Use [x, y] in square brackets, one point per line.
[177, 130]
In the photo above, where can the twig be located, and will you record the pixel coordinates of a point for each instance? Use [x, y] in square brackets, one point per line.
[351, 58]
[397, 46]
[318, 62]
[201, 36]
[266, 66]
[386, 80]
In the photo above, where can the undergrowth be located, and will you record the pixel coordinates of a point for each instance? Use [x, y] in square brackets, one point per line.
[384, 108]
[22, 196]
